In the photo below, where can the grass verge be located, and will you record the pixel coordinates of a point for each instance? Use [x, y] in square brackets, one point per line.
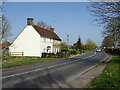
[8, 62]
[110, 78]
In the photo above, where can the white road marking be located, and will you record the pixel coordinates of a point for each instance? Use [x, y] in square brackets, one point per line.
[90, 56]
[46, 67]
[24, 73]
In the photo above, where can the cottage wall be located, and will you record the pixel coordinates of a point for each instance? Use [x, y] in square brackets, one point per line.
[56, 46]
[46, 45]
[34, 40]
[28, 41]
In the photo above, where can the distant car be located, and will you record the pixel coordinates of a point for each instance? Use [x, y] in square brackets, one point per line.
[98, 50]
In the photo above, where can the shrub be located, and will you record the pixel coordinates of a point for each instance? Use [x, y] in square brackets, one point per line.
[44, 55]
[113, 51]
[73, 51]
[51, 55]
[63, 54]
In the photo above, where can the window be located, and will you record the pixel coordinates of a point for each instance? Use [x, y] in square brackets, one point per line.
[48, 49]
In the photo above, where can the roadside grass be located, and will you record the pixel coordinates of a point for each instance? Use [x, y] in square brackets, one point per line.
[110, 78]
[86, 51]
[13, 61]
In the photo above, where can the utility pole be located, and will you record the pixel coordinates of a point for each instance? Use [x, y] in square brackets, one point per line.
[68, 40]
[67, 53]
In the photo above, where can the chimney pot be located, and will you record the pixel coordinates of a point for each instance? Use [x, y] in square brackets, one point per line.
[30, 21]
[52, 29]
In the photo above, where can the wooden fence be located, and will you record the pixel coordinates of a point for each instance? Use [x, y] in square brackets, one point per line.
[16, 53]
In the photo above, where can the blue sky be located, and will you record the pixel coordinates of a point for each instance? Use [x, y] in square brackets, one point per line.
[66, 17]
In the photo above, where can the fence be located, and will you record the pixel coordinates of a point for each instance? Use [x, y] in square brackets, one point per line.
[16, 53]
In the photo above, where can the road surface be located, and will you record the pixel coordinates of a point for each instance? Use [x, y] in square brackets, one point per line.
[55, 74]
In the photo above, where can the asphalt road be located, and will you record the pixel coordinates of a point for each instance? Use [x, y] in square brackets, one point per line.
[53, 74]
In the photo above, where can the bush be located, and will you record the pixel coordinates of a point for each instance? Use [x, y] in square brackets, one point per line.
[63, 54]
[44, 55]
[73, 51]
[51, 55]
[113, 51]
[5, 52]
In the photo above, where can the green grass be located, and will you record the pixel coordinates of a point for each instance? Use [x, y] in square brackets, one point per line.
[86, 51]
[19, 61]
[110, 78]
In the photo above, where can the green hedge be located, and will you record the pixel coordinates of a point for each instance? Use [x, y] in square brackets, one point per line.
[73, 51]
[113, 51]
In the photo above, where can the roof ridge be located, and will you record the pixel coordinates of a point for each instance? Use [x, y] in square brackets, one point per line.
[43, 28]
[45, 32]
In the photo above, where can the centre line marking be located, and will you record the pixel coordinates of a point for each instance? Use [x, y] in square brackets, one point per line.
[46, 67]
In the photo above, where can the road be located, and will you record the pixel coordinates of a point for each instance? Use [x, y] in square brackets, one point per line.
[55, 74]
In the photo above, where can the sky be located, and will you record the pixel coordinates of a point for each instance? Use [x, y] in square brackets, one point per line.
[72, 18]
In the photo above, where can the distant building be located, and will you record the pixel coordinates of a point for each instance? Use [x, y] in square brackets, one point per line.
[5, 45]
[34, 40]
[4, 48]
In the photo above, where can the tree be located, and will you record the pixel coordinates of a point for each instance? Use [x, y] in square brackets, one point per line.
[44, 25]
[64, 46]
[4, 32]
[108, 15]
[113, 29]
[104, 11]
[78, 44]
[108, 41]
[90, 44]
[85, 47]
[4, 27]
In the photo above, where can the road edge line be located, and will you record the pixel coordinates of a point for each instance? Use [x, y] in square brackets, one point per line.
[105, 59]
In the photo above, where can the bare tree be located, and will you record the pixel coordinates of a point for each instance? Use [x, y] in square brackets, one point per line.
[108, 41]
[104, 11]
[4, 27]
[113, 28]
[44, 25]
[41, 24]
[4, 32]
[108, 15]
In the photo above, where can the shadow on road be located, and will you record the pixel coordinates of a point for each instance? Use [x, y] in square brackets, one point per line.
[46, 81]
[54, 77]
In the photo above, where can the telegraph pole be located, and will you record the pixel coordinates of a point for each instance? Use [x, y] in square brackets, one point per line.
[68, 40]
[67, 53]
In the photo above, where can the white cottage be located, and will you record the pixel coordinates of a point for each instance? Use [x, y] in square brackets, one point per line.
[34, 40]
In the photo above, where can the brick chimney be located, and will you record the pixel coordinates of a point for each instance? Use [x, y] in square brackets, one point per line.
[52, 29]
[30, 21]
